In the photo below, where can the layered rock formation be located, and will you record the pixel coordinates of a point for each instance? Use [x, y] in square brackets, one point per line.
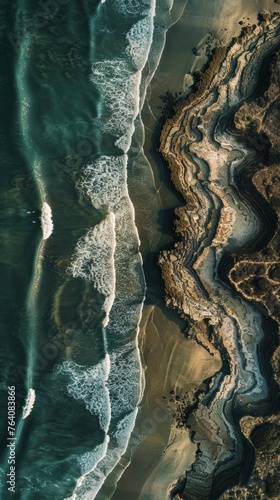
[222, 274]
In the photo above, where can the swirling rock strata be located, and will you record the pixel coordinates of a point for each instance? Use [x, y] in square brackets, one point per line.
[210, 147]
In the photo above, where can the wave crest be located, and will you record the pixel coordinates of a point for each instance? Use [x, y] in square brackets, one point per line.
[88, 384]
[46, 221]
[93, 260]
[29, 403]
[139, 38]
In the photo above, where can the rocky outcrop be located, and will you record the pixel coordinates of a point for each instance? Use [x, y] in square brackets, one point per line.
[257, 276]
[222, 274]
[264, 483]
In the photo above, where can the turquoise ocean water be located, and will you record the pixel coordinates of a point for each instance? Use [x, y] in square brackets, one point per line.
[74, 76]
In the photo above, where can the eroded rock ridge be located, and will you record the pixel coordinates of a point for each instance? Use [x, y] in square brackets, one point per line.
[223, 274]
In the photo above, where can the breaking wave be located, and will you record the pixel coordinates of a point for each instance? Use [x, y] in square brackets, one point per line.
[29, 403]
[46, 221]
[139, 38]
[88, 384]
[93, 260]
[104, 181]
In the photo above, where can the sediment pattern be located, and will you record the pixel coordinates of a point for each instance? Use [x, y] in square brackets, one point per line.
[222, 150]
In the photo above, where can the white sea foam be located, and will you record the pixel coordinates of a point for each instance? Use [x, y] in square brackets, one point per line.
[139, 39]
[125, 225]
[88, 384]
[123, 382]
[104, 181]
[131, 7]
[118, 85]
[93, 260]
[92, 386]
[93, 481]
[29, 403]
[124, 397]
[88, 462]
[90, 459]
[122, 434]
[46, 220]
